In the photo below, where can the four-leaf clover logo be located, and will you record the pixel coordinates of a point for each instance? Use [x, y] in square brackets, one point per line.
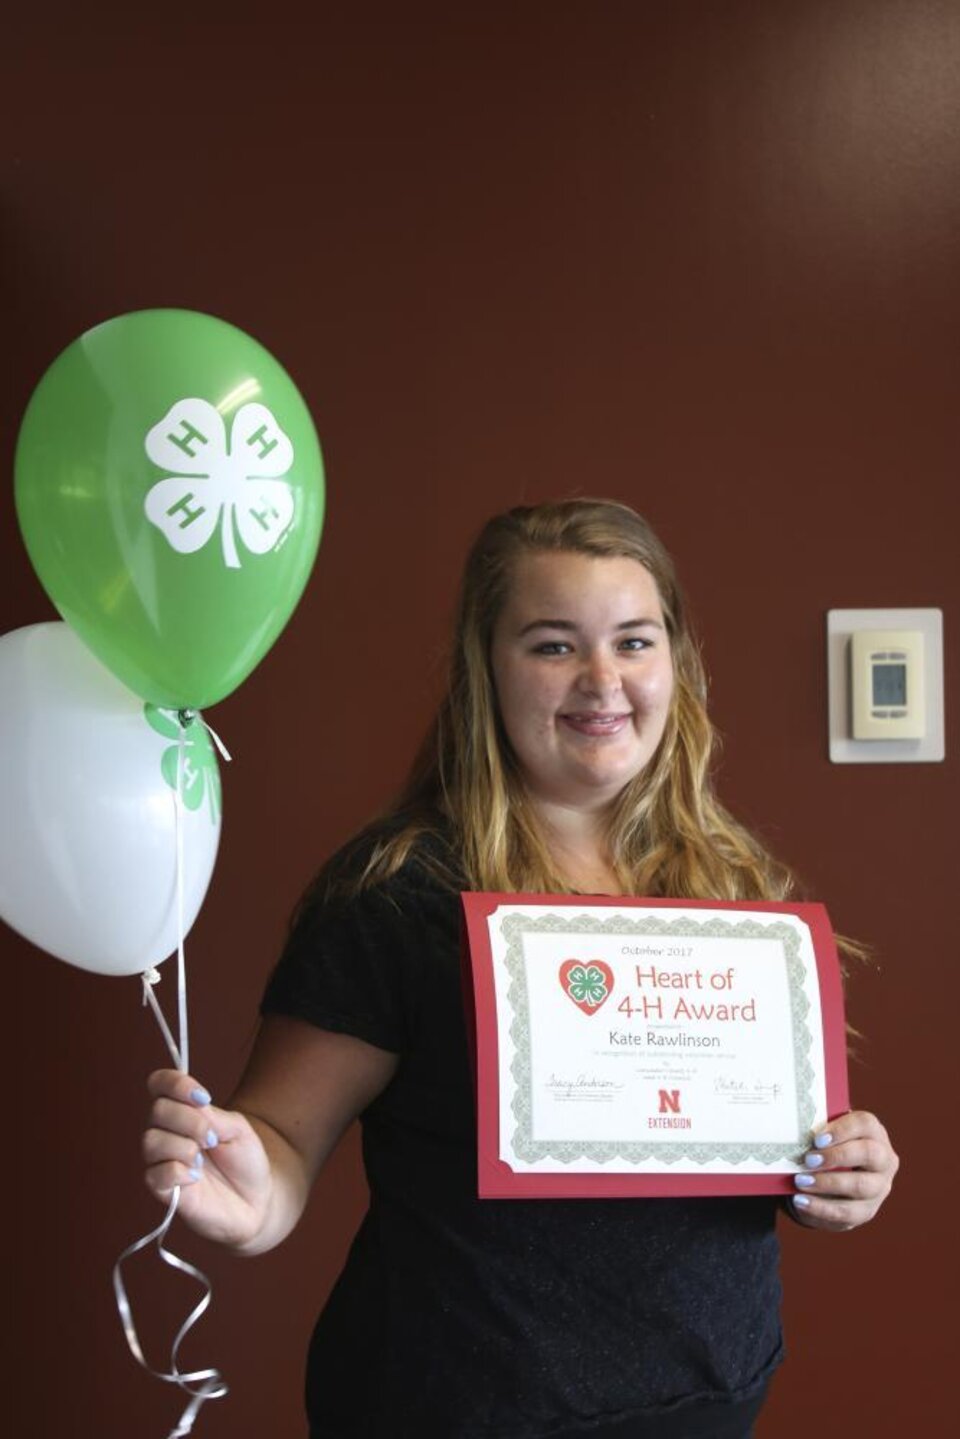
[200, 775]
[587, 982]
[212, 479]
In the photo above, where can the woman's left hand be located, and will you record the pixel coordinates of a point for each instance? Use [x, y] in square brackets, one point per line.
[848, 1173]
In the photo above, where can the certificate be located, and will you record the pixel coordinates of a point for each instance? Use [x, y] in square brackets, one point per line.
[650, 1047]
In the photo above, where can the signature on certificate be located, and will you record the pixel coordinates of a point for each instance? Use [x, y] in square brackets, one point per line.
[755, 1091]
[582, 1086]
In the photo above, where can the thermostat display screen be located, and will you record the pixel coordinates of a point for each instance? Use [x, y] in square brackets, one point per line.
[889, 684]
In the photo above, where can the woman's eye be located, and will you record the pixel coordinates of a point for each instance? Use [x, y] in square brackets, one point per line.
[635, 643]
[552, 647]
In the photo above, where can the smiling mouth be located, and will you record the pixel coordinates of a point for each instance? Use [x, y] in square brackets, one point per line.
[596, 724]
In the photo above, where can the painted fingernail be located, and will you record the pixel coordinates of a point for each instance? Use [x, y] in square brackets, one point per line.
[198, 1161]
[192, 1176]
[813, 1161]
[200, 1096]
[801, 1201]
[822, 1140]
[804, 1180]
[212, 1140]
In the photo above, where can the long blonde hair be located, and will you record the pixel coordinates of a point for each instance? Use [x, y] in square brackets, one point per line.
[667, 834]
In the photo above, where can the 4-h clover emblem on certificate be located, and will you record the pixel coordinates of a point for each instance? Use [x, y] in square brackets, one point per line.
[587, 982]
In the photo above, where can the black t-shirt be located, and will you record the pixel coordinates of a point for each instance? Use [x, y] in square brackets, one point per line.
[461, 1318]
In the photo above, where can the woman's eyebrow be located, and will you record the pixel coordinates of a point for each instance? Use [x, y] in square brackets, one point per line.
[548, 625]
[570, 625]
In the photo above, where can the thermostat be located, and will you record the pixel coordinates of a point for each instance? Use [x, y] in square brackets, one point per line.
[886, 684]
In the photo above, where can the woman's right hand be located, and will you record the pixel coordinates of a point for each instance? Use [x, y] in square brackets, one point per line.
[301, 1088]
[215, 1155]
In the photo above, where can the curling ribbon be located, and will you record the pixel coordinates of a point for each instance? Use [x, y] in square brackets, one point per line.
[199, 1384]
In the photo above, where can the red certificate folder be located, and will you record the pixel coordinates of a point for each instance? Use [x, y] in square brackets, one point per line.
[502, 1180]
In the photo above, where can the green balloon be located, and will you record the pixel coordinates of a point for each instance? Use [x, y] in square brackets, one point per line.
[170, 492]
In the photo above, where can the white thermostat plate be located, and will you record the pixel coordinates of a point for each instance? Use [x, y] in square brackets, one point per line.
[841, 625]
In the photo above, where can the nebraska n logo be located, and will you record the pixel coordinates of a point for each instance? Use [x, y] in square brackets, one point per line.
[669, 1101]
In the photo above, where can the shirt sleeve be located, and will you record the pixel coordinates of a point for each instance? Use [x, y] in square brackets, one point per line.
[348, 967]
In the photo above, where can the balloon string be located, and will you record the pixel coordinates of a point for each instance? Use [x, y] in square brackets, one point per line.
[181, 960]
[188, 716]
[224, 752]
[208, 1382]
[150, 977]
[199, 1384]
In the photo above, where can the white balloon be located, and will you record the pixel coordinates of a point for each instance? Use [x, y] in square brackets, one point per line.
[88, 851]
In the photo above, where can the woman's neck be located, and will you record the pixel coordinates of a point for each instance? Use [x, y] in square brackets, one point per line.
[576, 841]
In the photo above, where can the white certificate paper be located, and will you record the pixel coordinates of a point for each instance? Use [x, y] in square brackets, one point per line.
[675, 1042]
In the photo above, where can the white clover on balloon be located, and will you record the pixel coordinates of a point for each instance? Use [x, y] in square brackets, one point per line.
[214, 479]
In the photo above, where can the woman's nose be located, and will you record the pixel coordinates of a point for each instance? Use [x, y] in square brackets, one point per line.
[599, 675]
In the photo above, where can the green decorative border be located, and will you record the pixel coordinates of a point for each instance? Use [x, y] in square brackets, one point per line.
[515, 926]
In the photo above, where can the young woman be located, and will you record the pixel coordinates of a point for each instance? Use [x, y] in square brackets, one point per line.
[570, 754]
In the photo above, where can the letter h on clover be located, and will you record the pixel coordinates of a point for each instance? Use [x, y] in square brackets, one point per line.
[586, 983]
[213, 479]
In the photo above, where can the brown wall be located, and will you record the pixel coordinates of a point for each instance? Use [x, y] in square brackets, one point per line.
[701, 257]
